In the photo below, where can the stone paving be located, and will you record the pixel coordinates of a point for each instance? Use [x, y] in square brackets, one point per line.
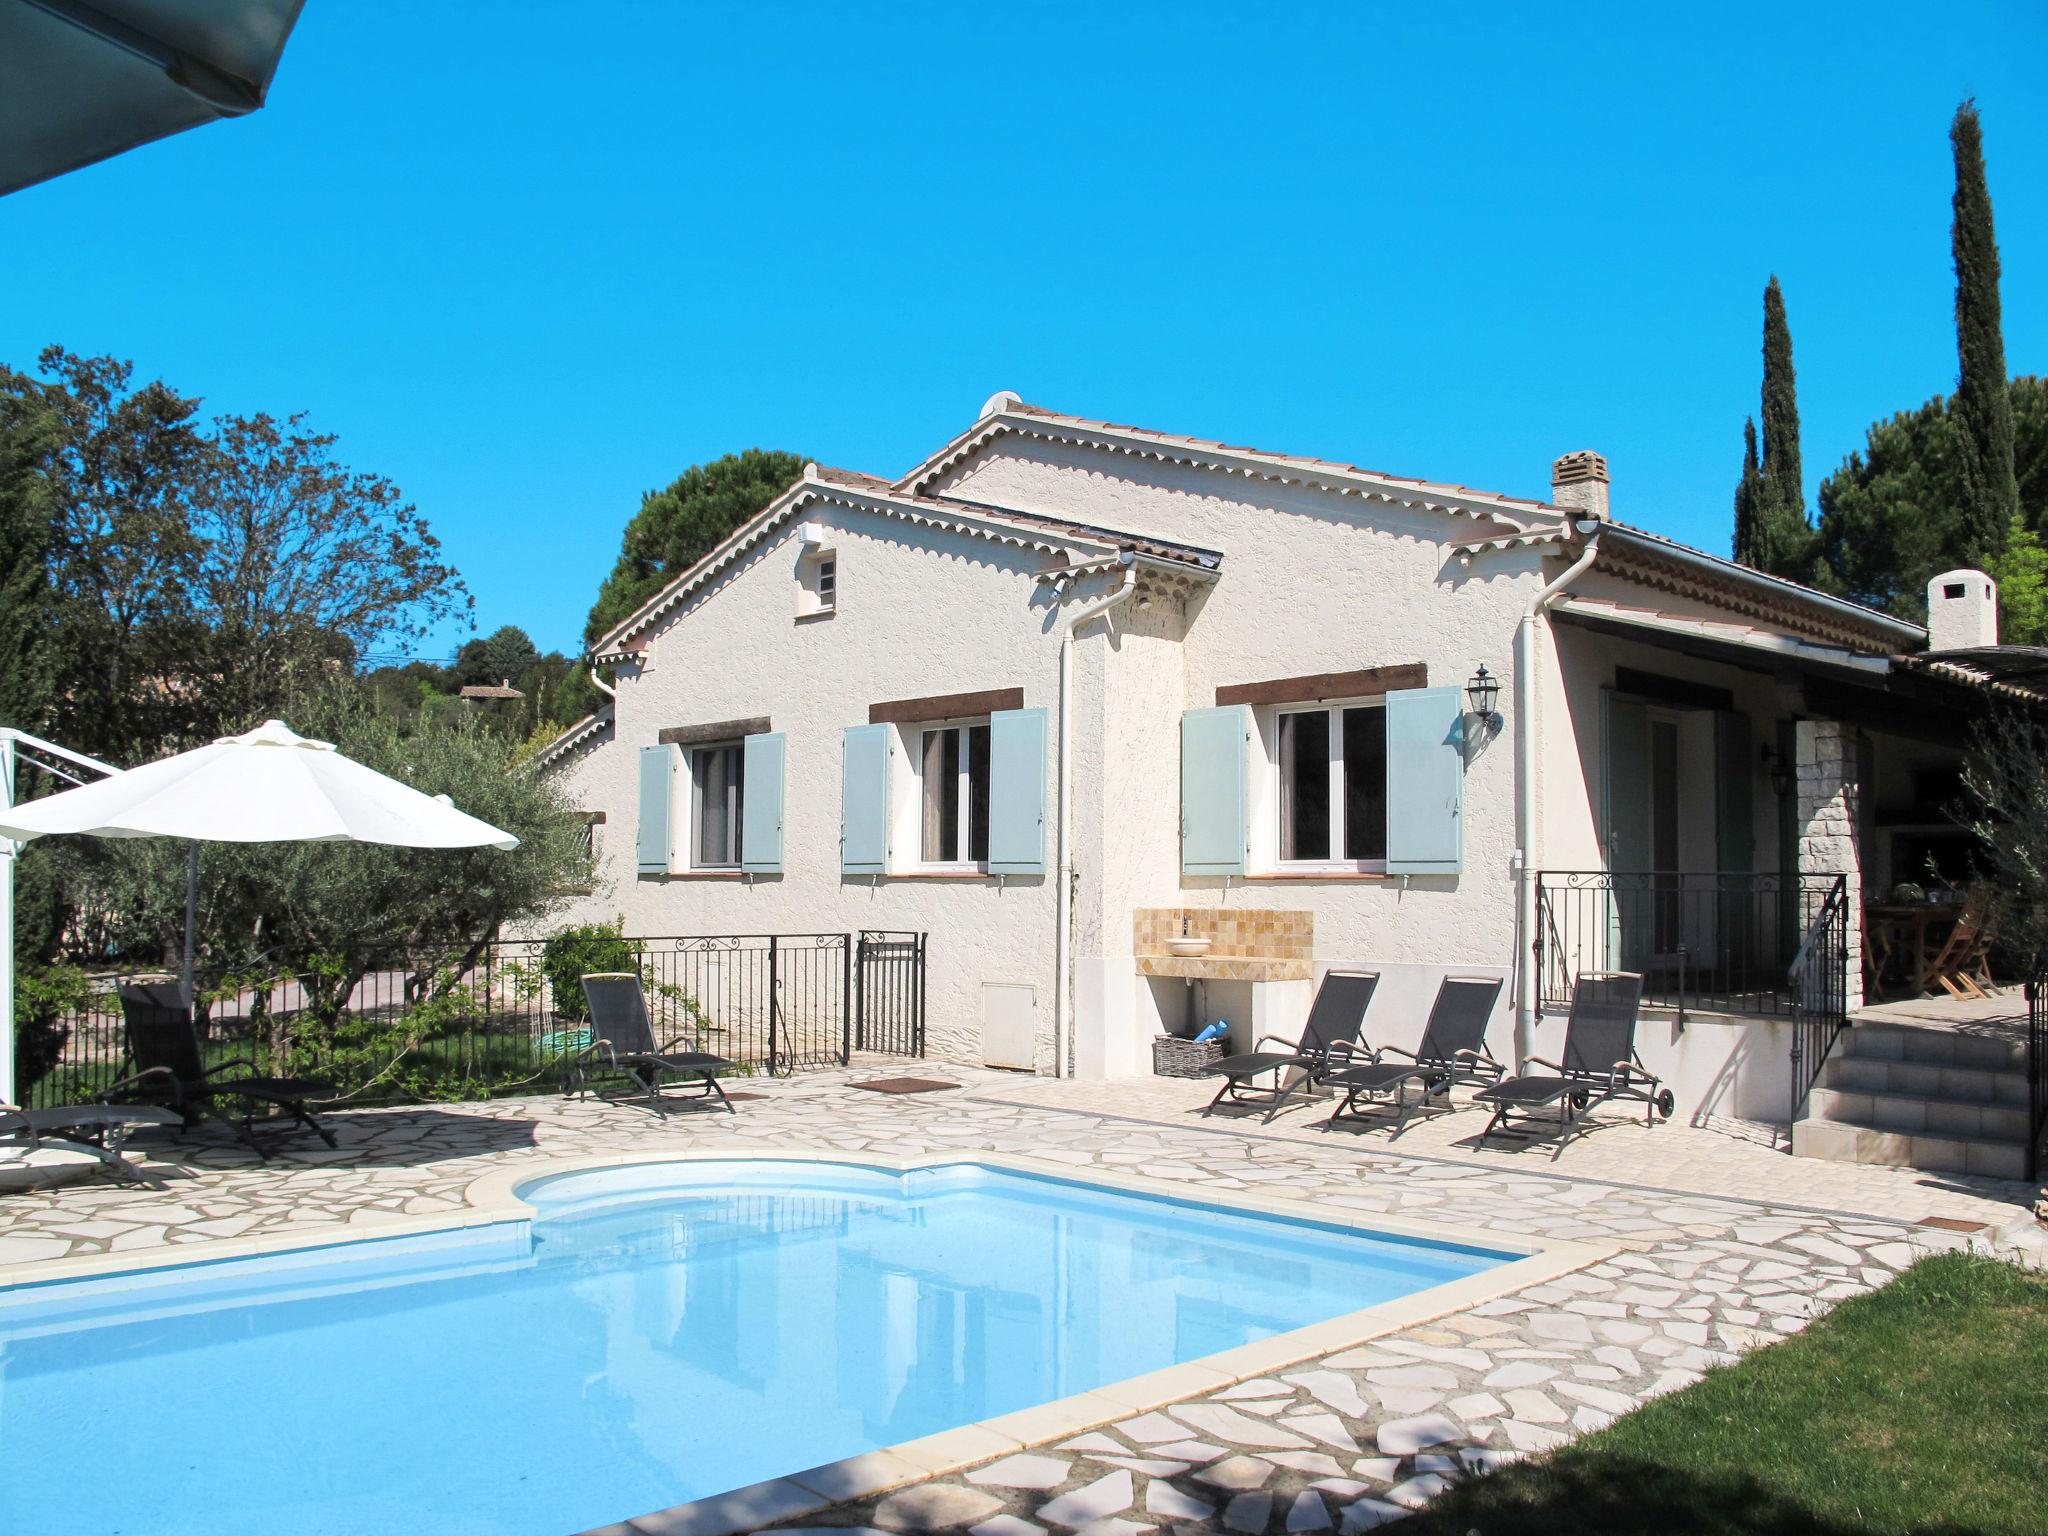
[1341, 1442]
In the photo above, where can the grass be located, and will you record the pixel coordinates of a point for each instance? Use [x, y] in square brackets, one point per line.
[1920, 1408]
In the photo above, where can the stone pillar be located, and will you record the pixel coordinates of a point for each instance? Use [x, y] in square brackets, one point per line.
[1830, 824]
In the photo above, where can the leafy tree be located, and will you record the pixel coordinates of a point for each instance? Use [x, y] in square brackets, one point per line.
[303, 563]
[121, 477]
[1772, 532]
[340, 909]
[678, 526]
[2021, 570]
[1889, 516]
[1983, 405]
[29, 433]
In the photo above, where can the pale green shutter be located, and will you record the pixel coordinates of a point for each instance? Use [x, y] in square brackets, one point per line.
[761, 804]
[1212, 790]
[1016, 792]
[1625, 753]
[657, 794]
[864, 801]
[1426, 781]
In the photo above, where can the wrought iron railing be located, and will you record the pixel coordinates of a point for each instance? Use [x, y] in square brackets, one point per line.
[1717, 942]
[442, 1023]
[1819, 976]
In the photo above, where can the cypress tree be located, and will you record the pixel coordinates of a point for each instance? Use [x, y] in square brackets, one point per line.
[1784, 489]
[1983, 400]
[1771, 530]
[1746, 492]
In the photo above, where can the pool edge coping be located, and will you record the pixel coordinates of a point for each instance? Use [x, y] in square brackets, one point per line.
[491, 1199]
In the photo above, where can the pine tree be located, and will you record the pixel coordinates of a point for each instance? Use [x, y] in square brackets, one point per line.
[1983, 400]
[1771, 530]
[1746, 493]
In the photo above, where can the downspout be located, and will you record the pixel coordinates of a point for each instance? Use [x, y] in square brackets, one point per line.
[602, 686]
[1526, 851]
[1063, 898]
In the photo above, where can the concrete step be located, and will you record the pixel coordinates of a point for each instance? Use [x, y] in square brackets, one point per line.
[1917, 1115]
[1934, 1047]
[1859, 1073]
[1839, 1142]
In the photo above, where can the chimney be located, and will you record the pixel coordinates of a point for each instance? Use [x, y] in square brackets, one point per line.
[1962, 610]
[1579, 480]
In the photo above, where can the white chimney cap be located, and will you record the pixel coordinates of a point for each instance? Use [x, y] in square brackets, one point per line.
[1962, 611]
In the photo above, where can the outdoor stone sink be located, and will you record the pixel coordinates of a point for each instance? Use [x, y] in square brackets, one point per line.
[1188, 946]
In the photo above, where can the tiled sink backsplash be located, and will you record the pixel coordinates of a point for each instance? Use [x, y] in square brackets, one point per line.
[1249, 931]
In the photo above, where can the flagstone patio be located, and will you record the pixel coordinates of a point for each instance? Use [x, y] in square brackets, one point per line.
[1698, 1275]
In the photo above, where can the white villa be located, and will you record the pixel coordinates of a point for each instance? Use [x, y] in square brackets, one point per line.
[1067, 689]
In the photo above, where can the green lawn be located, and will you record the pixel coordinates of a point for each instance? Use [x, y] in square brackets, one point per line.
[1922, 1407]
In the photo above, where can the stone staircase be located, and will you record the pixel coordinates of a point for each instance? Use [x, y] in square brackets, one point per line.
[1919, 1098]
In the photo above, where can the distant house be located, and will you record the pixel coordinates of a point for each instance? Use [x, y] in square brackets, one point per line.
[490, 692]
[1248, 694]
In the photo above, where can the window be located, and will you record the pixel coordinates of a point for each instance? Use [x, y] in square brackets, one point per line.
[952, 767]
[1332, 780]
[716, 794]
[817, 583]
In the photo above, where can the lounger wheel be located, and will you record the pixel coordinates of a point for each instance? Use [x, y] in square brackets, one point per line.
[1581, 1099]
[1666, 1104]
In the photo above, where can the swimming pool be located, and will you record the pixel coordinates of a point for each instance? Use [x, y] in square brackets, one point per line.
[657, 1333]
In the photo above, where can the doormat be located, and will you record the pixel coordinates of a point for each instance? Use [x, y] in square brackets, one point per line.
[1953, 1224]
[906, 1085]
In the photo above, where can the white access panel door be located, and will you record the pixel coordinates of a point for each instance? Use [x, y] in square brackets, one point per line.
[1009, 1024]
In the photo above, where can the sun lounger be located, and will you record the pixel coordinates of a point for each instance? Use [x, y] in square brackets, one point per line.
[1329, 1040]
[170, 1071]
[1453, 1050]
[623, 1046]
[1599, 1063]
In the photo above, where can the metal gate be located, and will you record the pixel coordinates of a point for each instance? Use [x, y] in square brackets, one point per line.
[888, 993]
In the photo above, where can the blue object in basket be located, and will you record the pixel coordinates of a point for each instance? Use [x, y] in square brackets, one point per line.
[1215, 1031]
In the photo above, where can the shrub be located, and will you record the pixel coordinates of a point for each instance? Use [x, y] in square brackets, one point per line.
[569, 956]
[44, 1000]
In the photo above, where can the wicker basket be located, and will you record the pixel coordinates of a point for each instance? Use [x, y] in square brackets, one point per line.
[1174, 1057]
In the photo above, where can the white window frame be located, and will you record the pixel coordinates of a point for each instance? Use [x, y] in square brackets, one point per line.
[1275, 834]
[964, 825]
[693, 822]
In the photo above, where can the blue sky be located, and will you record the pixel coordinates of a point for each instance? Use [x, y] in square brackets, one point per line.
[531, 260]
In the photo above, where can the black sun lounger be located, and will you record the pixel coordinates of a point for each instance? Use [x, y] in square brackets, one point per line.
[1329, 1040]
[1453, 1050]
[169, 1071]
[623, 1046]
[1599, 1063]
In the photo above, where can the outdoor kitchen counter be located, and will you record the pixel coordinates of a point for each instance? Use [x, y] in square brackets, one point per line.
[1226, 967]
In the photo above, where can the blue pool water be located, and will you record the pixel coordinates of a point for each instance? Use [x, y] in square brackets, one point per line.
[659, 1333]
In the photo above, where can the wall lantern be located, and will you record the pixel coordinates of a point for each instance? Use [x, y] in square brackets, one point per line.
[1483, 690]
[1779, 770]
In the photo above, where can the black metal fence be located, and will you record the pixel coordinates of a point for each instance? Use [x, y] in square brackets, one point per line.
[441, 1024]
[1706, 943]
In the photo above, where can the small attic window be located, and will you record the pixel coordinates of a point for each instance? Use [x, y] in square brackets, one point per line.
[817, 583]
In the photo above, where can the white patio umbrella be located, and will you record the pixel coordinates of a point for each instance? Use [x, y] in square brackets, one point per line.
[268, 785]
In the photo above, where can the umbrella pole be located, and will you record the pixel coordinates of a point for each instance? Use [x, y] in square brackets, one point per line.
[191, 918]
